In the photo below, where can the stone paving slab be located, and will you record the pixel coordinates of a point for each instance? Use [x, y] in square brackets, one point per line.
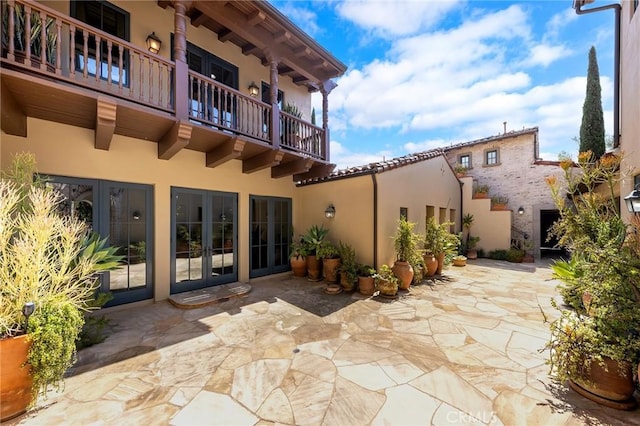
[460, 349]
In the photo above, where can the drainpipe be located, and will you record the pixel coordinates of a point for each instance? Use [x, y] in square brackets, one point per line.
[375, 220]
[577, 5]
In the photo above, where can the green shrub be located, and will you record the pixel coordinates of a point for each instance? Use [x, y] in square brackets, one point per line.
[515, 255]
[498, 254]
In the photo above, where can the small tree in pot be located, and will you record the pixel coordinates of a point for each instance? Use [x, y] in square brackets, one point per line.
[405, 243]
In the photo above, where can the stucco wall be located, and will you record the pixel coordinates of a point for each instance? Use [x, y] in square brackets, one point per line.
[415, 186]
[353, 222]
[69, 151]
[630, 95]
[518, 177]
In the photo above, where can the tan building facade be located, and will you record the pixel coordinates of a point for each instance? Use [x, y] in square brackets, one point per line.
[183, 157]
[508, 164]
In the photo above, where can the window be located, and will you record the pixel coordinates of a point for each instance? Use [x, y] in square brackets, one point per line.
[110, 19]
[491, 157]
[635, 6]
[266, 94]
[465, 160]
[430, 212]
[404, 213]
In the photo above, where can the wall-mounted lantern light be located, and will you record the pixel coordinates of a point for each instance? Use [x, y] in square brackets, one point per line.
[330, 212]
[136, 215]
[521, 210]
[254, 90]
[153, 43]
[633, 200]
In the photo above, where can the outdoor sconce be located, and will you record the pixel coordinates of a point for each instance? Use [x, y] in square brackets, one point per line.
[521, 210]
[254, 90]
[136, 215]
[633, 200]
[27, 310]
[330, 212]
[153, 43]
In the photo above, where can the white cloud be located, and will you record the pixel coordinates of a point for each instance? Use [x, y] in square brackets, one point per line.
[344, 158]
[304, 18]
[544, 54]
[389, 18]
[559, 22]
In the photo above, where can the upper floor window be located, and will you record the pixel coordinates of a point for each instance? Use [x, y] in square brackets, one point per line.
[266, 95]
[491, 157]
[465, 160]
[404, 213]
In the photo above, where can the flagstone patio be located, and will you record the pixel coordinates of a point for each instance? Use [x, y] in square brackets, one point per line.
[462, 349]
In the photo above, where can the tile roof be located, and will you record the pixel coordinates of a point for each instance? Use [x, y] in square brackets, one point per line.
[378, 167]
[511, 134]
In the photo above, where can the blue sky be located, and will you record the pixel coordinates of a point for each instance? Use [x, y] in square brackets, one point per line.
[425, 74]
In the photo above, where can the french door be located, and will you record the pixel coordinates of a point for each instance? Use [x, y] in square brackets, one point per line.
[122, 212]
[204, 246]
[270, 235]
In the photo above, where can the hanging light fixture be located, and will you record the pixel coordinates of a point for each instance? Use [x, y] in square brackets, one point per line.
[153, 43]
[330, 212]
[521, 210]
[254, 90]
[633, 200]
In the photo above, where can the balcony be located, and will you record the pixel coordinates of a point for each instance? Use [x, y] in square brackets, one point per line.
[60, 69]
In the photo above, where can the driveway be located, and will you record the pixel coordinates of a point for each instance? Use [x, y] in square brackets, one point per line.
[461, 349]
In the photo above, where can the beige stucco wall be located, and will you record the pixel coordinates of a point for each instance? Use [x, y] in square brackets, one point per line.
[415, 186]
[518, 177]
[69, 151]
[353, 222]
[629, 96]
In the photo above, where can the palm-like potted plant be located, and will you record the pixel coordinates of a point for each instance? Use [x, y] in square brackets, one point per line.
[597, 346]
[405, 243]
[48, 267]
[298, 258]
[469, 242]
[313, 239]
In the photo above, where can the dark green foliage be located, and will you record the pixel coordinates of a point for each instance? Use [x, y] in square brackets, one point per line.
[93, 329]
[515, 255]
[498, 255]
[592, 127]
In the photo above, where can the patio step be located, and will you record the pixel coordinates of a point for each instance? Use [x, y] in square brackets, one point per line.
[208, 296]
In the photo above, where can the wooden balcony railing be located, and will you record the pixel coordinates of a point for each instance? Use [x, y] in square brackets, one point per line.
[41, 40]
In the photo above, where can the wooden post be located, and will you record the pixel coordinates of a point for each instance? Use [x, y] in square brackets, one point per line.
[181, 74]
[273, 99]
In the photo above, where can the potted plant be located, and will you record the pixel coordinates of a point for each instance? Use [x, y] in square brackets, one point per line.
[386, 281]
[439, 241]
[290, 126]
[313, 240]
[499, 202]
[480, 191]
[470, 242]
[459, 260]
[329, 254]
[35, 36]
[48, 274]
[366, 282]
[597, 347]
[348, 267]
[460, 170]
[298, 258]
[405, 244]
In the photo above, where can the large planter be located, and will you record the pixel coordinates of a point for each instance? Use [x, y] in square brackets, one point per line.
[299, 266]
[15, 380]
[314, 268]
[430, 264]
[346, 283]
[404, 272]
[610, 385]
[440, 258]
[330, 268]
[472, 254]
[366, 285]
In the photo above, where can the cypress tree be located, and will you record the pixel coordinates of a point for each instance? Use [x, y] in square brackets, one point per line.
[592, 127]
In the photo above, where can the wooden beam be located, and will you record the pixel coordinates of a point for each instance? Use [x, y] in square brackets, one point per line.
[300, 79]
[163, 3]
[229, 150]
[282, 36]
[294, 167]
[198, 18]
[174, 140]
[249, 49]
[14, 120]
[105, 122]
[256, 17]
[317, 171]
[258, 162]
[302, 51]
[225, 35]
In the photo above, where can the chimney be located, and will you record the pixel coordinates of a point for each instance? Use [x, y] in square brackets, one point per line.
[504, 123]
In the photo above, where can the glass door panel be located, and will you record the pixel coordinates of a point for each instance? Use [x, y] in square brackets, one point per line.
[188, 237]
[270, 235]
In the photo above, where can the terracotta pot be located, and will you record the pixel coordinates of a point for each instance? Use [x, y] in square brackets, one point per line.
[612, 384]
[440, 258]
[459, 262]
[347, 285]
[299, 266]
[330, 268]
[15, 380]
[418, 275]
[387, 288]
[430, 264]
[404, 272]
[366, 285]
[314, 268]
[472, 254]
